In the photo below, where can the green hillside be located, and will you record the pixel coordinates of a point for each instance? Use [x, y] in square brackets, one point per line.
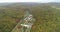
[47, 18]
[9, 18]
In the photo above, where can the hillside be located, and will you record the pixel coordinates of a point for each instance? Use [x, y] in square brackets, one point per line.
[47, 18]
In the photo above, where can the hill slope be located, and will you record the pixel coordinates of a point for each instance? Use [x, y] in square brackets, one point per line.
[47, 18]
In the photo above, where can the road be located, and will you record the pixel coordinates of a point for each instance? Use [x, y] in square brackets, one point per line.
[25, 24]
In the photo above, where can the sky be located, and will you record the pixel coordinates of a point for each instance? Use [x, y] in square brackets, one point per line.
[38, 1]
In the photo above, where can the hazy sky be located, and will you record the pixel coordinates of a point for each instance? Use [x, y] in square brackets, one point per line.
[43, 1]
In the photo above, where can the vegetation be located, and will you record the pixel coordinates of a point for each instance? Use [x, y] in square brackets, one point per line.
[9, 18]
[47, 18]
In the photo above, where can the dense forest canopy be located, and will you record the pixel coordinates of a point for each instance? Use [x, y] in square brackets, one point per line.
[47, 18]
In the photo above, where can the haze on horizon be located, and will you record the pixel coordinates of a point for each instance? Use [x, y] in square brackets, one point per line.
[38, 1]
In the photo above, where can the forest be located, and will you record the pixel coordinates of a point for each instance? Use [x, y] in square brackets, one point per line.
[47, 18]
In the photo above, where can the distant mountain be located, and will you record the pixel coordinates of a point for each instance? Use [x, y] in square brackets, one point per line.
[4, 4]
[29, 4]
[54, 4]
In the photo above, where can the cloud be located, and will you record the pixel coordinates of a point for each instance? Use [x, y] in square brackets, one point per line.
[46, 1]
